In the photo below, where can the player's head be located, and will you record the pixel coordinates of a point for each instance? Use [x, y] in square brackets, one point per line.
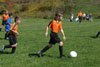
[6, 12]
[80, 11]
[17, 20]
[58, 16]
[10, 15]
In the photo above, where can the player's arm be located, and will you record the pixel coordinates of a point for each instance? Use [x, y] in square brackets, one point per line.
[62, 31]
[46, 33]
[49, 25]
[15, 32]
[0, 17]
[9, 23]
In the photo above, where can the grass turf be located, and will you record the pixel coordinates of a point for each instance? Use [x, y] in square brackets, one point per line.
[32, 39]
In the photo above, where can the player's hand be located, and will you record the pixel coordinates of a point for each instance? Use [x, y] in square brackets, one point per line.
[17, 33]
[64, 38]
[46, 34]
[10, 24]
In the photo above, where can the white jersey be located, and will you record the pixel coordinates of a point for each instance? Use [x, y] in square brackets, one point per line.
[84, 15]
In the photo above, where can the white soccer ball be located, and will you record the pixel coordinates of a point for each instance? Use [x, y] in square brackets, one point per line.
[73, 54]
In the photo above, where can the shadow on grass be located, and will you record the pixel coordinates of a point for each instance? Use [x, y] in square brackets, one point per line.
[33, 54]
[2, 31]
[80, 36]
[93, 37]
[36, 55]
[1, 38]
[5, 52]
[87, 36]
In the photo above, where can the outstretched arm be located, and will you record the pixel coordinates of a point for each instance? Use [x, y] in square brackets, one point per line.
[46, 33]
[62, 31]
[9, 24]
[49, 25]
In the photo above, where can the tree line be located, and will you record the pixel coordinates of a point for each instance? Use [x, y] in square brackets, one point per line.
[40, 8]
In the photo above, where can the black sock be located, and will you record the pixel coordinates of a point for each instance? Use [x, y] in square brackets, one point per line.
[45, 49]
[0, 29]
[13, 49]
[7, 46]
[61, 50]
[98, 34]
[6, 35]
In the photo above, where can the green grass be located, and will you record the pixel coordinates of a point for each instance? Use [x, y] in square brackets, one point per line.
[32, 39]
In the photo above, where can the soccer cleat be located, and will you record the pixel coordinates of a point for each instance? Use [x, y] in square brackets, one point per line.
[62, 57]
[3, 48]
[39, 54]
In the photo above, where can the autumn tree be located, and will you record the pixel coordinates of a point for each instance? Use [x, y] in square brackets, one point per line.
[9, 5]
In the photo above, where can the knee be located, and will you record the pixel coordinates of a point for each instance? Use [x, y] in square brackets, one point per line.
[14, 45]
[61, 43]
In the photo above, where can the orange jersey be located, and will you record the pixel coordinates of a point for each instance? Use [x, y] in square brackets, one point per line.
[5, 17]
[80, 14]
[13, 27]
[55, 27]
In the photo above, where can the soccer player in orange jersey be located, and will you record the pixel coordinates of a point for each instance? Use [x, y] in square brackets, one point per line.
[5, 16]
[80, 16]
[12, 36]
[55, 26]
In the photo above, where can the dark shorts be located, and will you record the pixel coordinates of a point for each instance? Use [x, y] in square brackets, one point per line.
[12, 39]
[4, 22]
[80, 17]
[54, 38]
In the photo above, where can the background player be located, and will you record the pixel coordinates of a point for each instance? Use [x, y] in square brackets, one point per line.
[5, 16]
[7, 27]
[80, 16]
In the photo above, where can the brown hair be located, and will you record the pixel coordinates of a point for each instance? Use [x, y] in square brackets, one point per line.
[16, 18]
[58, 14]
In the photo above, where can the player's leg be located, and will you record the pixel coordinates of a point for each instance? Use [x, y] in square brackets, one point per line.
[51, 42]
[44, 49]
[0, 28]
[3, 23]
[13, 48]
[14, 43]
[5, 46]
[98, 34]
[61, 50]
[8, 46]
[6, 35]
[79, 19]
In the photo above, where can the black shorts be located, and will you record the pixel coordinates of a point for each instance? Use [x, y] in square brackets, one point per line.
[80, 17]
[12, 39]
[4, 22]
[54, 38]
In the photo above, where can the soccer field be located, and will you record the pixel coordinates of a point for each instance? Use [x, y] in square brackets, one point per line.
[32, 39]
